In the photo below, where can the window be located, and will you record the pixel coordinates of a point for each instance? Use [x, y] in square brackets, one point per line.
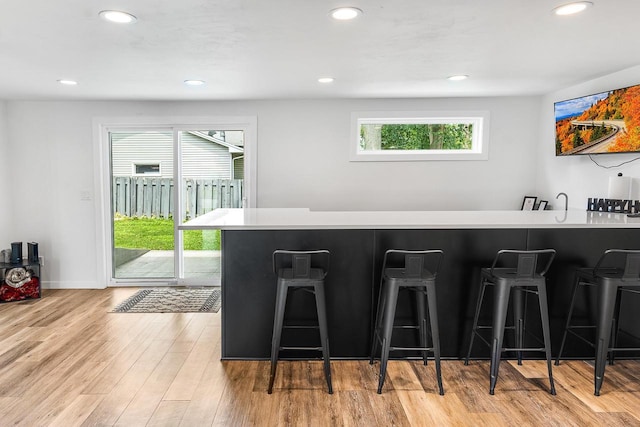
[152, 169]
[410, 136]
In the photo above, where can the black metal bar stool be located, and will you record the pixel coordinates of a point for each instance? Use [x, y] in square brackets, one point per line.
[617, 271]
[300, 270]
[521, 272]
[414, 271]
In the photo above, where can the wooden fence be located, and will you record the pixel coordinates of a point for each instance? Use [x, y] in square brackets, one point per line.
[154, 197]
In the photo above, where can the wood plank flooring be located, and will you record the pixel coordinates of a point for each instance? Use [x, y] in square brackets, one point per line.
[65, 360]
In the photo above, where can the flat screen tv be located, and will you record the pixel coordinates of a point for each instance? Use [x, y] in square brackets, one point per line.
[602, 123]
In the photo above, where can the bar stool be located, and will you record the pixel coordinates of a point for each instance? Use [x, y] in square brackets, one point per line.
[300, 270]
[414, 271]
[617, 271]
[527, 276]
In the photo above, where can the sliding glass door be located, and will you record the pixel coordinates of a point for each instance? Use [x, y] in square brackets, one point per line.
[142, 198]
[159, 179]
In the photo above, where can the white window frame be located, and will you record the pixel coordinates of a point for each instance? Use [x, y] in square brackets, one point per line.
[480, 137]
[146, 163]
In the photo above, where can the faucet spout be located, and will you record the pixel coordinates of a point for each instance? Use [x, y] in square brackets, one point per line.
[566, 200]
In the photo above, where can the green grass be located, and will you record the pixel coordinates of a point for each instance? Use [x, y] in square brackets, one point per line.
[157, 234]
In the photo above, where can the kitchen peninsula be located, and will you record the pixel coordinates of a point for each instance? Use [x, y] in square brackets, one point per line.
[357, 241]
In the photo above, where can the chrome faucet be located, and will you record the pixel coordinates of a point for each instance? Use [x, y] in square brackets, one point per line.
[566, 200]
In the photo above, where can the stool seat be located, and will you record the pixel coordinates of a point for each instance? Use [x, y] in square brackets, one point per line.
[300, 270]
[417, 273]
[400, 275]
[509, 274]
[523, 275]
[617, 271]
[315, 275]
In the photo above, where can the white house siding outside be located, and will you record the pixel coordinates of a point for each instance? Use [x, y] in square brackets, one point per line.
[202, 159]
[238, 166]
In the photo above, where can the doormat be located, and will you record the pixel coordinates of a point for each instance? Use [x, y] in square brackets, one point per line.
[170, 300]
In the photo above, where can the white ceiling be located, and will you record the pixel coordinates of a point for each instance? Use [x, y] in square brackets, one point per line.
[258, 49]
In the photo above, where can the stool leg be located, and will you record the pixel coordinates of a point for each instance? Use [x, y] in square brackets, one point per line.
[483, 287]
[281, 300]
[422, 320]
[324, 337]
[615, 326]
[568, 323]
[391, 292]
[606, 305]
[378, 323]
[435, 333]
[518, 320]
[546, 332]
[500, 305]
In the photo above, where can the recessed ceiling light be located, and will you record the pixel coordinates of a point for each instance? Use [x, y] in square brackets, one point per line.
[118, 17]
[345, 13]
[458, 77]
[194, 82]
[572, 8]
[67, 82]
[325, 80]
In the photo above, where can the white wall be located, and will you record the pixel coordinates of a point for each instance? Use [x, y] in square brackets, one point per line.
[578, 176]
[5, 210]
[302, 162]
[312, 137]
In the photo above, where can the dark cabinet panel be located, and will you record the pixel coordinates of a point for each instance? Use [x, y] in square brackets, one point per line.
[248, 283]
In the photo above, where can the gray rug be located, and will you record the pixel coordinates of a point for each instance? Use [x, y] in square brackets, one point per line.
[171, 300]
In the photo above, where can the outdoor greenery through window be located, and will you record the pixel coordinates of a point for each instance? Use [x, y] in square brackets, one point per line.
[420, 136]
[440, 136]
[156, 234]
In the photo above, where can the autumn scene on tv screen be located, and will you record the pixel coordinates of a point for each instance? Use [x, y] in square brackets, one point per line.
[607, 122]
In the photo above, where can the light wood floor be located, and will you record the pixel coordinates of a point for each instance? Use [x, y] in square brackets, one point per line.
[65, 360]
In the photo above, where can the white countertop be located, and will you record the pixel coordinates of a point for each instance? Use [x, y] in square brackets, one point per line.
[300, 219]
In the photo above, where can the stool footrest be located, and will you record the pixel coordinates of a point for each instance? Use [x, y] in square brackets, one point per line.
[491, 327]
[411, 348]
[580, 337]
[590, 343]
[523, 349]
[301, 348]
[300, 326]
[475, 332]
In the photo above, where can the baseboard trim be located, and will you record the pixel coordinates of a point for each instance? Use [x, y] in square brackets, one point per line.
[71, 285]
